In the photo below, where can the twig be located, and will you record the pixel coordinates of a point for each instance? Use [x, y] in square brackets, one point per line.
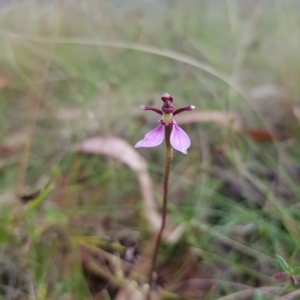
[95, 268]
[292, 295]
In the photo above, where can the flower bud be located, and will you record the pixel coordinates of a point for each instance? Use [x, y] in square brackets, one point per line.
[281, 276]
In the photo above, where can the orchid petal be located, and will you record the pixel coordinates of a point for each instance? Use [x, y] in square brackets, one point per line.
[152, 138]
[187, 108]
[144, 107]
[179, 139]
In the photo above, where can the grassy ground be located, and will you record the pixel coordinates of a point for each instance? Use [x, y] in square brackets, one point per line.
[72, 70]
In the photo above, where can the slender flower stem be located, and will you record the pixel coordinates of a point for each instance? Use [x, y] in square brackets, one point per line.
[169, 155]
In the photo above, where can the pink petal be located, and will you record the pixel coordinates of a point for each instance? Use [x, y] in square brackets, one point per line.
[152, 138]
[179, 139]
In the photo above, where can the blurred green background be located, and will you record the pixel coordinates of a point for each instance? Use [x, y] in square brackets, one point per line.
[71, 70]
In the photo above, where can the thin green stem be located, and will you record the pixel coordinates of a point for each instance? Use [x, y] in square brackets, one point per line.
[291, 260]
[169, 155]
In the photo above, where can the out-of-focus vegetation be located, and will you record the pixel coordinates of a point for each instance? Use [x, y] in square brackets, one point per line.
[73, 70]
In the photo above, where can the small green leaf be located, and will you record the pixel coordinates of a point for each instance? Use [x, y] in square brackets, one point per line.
[39, 199]
[296, 271]
[257, 295]
[106, 296]
[282, 263]
[54, 215]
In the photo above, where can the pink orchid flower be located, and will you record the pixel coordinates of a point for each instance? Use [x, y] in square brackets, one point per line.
[179, 139]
